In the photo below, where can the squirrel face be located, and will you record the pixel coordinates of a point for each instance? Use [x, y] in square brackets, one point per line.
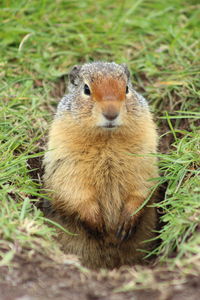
[108, 95]
[100, 95]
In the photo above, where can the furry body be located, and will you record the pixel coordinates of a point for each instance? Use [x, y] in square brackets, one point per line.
[100, 176]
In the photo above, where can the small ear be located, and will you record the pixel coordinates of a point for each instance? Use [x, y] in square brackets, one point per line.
[74, 73]
[126, 70]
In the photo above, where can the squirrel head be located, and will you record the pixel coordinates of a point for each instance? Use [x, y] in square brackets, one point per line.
[100, 94]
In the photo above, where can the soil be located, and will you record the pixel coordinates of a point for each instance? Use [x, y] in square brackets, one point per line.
[41, 278]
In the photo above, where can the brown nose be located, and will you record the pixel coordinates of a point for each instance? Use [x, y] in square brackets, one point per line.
[111, 115]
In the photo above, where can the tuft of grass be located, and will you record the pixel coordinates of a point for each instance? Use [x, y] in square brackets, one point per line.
[22, 226]
[180, 239]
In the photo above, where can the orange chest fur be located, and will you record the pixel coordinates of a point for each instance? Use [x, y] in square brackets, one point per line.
[108, 169]
[99, 162]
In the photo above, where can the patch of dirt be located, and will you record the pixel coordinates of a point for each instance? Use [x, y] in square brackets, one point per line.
[60, 87]
[35, 167]
[41, 278]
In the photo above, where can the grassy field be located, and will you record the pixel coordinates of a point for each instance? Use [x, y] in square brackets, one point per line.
[39, 42]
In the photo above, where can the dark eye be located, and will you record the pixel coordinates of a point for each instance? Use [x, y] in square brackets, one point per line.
[86, 90]
[127, 90]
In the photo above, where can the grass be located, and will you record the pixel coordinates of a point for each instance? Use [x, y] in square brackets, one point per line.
[39, 42]
[181, 171]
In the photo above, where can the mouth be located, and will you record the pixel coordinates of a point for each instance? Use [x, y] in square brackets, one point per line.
[110, 126]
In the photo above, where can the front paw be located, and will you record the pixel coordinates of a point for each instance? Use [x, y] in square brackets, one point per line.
[127, 226]
[125, 230]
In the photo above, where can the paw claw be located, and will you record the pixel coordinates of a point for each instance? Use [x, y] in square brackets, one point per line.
[129, 233]
[119, 230]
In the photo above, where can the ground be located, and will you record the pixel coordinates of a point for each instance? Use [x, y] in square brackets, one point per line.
[44, 279]
[39, 43]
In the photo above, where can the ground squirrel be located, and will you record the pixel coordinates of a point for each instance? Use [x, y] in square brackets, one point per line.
[99, 164]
